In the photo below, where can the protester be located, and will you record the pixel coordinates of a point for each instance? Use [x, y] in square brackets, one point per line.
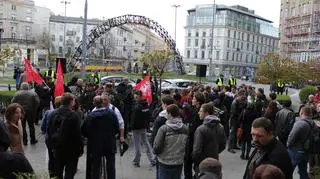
[210, 168]
[268, 172]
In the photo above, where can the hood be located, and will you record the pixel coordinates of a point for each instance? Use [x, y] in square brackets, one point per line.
[211, 119]
[175, 123]
[163, 113]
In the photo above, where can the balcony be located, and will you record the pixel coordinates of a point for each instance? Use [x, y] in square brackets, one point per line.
[20, 41]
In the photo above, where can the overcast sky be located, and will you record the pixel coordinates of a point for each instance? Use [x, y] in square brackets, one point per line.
[158, 10]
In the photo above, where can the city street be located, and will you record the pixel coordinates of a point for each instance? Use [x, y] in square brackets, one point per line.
[233, 166]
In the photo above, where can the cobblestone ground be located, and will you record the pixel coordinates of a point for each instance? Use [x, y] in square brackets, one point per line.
[233, 166]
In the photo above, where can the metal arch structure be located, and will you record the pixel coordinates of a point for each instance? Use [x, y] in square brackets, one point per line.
[132, 19]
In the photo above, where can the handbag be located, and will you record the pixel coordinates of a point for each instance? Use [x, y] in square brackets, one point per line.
[240, 129]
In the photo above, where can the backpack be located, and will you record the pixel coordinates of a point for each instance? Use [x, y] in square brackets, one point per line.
[312, 143]
[55, 130]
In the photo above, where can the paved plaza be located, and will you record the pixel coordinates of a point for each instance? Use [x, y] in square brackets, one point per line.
[233, 166]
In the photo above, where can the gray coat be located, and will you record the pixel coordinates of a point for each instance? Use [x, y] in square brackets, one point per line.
[298, 134]
[28, 99]
[209, 140]
[170, 142]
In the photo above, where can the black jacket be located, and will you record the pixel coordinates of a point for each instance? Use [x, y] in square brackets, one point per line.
[275, 154]
[195, 122]
[100, 128]
[71, 142]
[141, 115]
[12, 164]
[284, 121]
[160, 121]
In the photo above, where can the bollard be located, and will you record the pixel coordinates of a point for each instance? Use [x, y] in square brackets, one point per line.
[9, 87]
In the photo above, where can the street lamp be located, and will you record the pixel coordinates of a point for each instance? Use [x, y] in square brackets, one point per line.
[84, 41]
[211, 47]
[64, 29]
[175, 31]
[1, 31]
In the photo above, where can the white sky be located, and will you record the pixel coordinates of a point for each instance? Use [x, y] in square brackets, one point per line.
[158, 10]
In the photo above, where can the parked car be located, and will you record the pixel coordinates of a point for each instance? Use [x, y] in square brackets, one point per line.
[116, 79]
[176, 84]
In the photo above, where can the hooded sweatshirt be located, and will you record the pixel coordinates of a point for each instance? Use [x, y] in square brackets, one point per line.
[170, 142]
[209, 139]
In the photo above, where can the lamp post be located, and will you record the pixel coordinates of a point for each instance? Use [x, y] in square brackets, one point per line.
[1, 31]
[211, 41]
[84, 42]
[175, 32]
[64, 29]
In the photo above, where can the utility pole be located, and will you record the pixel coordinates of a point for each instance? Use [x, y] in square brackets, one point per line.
[84, 42]
[64, 29]
[174, 66]
[211, 41]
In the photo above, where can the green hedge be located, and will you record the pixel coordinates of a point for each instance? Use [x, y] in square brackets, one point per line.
[282, 98]
[305, 92]
[6, 96]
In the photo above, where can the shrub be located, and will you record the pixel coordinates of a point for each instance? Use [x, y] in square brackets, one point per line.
[305, 92]
[282, 98]
[6, 96]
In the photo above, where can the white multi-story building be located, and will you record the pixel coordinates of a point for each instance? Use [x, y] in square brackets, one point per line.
[240, 38]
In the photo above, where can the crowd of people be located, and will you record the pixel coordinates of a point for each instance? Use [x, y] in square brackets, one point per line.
[189, 129]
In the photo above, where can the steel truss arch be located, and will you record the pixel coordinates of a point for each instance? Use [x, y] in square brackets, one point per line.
[137, 20]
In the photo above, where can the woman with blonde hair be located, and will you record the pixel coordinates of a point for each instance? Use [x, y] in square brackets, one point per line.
[14, 114]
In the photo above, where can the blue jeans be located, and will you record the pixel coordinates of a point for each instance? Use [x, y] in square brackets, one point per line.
[169, 173]
[300, 159]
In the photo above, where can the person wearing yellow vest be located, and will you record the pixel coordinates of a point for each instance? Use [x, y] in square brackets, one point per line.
[96, 78]
[50, 73]
[232, 81]
[219, 82]
[280, 87]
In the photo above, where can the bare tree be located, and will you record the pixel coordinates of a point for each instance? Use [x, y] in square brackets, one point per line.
[5, 54]
[108, 45]
[44, 41]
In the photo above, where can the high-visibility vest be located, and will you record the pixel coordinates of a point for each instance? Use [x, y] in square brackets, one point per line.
[232, 81]
[280, 85]
[96, 79]
[220, 83]
[52, 74]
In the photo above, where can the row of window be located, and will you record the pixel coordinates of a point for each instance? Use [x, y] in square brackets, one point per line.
[242, 36]
[234, 56]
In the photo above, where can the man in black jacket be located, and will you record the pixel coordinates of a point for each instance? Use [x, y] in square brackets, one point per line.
[67, 141]
[140, 122]
[268, 150]
[100, 128]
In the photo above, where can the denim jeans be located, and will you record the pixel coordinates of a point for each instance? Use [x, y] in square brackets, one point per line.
[141, 136]
[300, 159]
[169, 173]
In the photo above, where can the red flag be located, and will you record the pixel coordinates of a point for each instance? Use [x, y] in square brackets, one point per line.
[31, 74]
[145, 87]
[59, 88]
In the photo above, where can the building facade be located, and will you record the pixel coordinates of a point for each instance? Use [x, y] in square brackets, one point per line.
[300, 29]
[240, 38]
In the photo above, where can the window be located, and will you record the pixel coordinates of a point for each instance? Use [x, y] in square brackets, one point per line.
[13, 17]
[217, 55]
[202, 54]
[189, 34]
[189, 42]
[60, 38]
[242, 36]
[234, 44]
[228, 44]
[234, 34]
[229, 33]
[204, 34]
[239, 35]
[195, 53]
[101, 41]
[237, 56]
[232, 56]
[240, 58]
[247, 58]
[197, 34]
[248, 46]
[227, 56]
[53, 38]
[13, 7]
[60, 49]
[78, 39]
[203, 45]
[241, 45]
[196, 42]
[248, 37]
[101, 52]
[28, 29]
[188, 53]
[13, 35]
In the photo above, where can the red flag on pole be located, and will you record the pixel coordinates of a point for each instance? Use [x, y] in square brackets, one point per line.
[59, 88]
[145, 87]
[31, 74]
